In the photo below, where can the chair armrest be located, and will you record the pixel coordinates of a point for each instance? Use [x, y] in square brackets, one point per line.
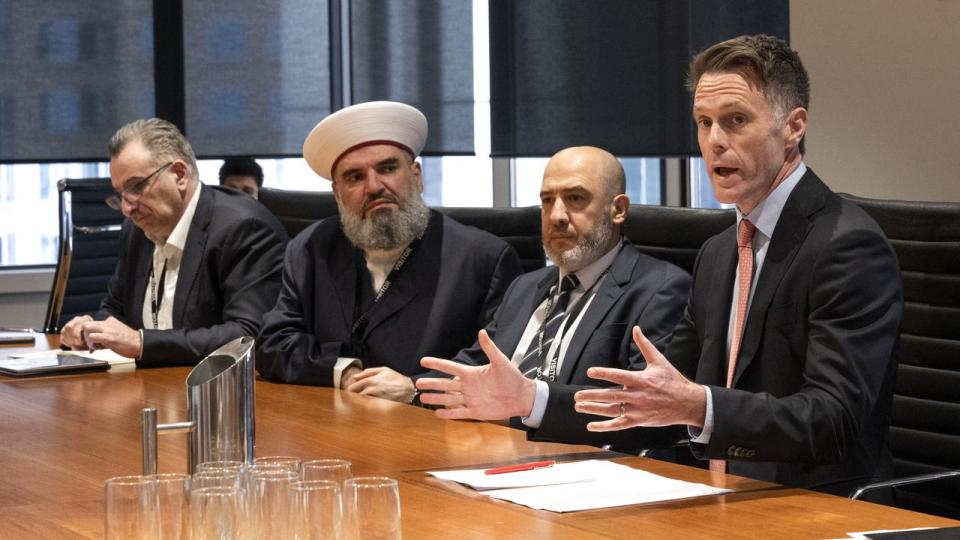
[906, 481]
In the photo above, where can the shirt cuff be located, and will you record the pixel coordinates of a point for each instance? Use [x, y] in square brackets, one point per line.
[539, 406]
[341, 365]
[702, 436]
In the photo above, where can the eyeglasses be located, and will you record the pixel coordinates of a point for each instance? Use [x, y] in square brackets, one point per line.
[133, 190]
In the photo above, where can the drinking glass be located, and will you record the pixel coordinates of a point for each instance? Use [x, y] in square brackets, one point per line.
[288, 462]
[316, 510]
[131, 508]
[337, 470]
[371, 508]
[270, 501]
[217, 478]
[216, 513]
[230, 465]
[174, 504]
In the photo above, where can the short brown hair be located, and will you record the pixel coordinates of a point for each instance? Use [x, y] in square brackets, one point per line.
[769, 60]
[160, 137]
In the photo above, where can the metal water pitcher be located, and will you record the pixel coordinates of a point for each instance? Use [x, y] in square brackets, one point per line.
[220, 406]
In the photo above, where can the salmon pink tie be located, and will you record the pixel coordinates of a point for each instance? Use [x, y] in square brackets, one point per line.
[744, 279]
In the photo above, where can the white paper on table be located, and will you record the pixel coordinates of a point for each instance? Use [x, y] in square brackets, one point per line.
[865, 535]
[583, 485]
[560, 473]
[99, 354]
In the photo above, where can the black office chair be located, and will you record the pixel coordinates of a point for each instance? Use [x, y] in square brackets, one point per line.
[297, 210]
[519, 227]
[674, 234]
[89, 234]
[925, 418]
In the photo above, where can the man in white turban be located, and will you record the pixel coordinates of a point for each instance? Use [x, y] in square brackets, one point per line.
[366, 294]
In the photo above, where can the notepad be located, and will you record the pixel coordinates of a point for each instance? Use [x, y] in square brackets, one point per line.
[582, 485]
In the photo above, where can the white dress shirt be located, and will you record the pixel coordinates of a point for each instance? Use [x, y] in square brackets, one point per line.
[764, 217]
[379, 264]
[589, 277]
[171, 251]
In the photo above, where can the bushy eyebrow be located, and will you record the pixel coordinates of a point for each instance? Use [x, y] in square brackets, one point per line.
[381, 163]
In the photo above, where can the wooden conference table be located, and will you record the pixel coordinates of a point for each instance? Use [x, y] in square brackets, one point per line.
[62, 436]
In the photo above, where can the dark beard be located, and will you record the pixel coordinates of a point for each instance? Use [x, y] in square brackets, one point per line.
[588, 249]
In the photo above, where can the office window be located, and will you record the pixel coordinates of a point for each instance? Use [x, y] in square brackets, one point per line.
[29, 204]
[228, 109]
[643, 180]
[226, 40]
[75, 70]
[701, 192]
[59, 41]
[419, 53]
[61, 110]
[257, 75]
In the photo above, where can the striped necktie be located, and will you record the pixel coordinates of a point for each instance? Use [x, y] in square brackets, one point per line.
[540, 345]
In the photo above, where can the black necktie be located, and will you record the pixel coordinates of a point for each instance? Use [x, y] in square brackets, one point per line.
[540, 345]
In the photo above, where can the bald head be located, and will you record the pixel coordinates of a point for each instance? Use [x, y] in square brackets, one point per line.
[594, 162]
[583, 206]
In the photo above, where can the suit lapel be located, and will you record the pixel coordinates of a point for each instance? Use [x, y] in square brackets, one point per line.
[510, 330]
[401, 292]
[406, 287]
[791, 230]
[722, 267]
[143, 251]
[193, 255]
[345, 262]
[609, 291]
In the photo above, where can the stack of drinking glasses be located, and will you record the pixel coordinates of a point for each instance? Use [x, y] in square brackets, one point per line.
[276, 497]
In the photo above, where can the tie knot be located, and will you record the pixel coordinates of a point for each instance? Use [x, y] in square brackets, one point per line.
[745, 233]
[569, 283]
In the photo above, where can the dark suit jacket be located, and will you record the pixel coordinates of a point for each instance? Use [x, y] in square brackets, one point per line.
[638, 290]
[229, 276]
[810, 401]
[446, 291]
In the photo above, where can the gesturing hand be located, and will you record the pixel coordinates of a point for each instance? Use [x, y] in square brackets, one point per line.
[657, 396]
[495, 391]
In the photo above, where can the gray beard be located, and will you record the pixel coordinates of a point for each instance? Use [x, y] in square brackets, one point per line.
[386, 230]
[591, 247]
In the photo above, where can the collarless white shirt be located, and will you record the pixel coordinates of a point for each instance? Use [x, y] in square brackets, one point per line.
[379, 263]
[764, 217]
[171, 251]
[589, 277]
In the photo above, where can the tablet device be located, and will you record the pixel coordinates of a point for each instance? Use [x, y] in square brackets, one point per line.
[52, 363]
[14, 336]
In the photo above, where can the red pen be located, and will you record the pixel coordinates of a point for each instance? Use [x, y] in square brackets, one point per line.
[521, 467]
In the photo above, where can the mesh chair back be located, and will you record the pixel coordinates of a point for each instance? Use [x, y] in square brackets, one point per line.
[925, 417]
[674, 234]
[89, 233]
[519, 227]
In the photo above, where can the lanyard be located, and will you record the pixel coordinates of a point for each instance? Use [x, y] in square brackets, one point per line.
[568, 318]
[361, 321]
[155, 301]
